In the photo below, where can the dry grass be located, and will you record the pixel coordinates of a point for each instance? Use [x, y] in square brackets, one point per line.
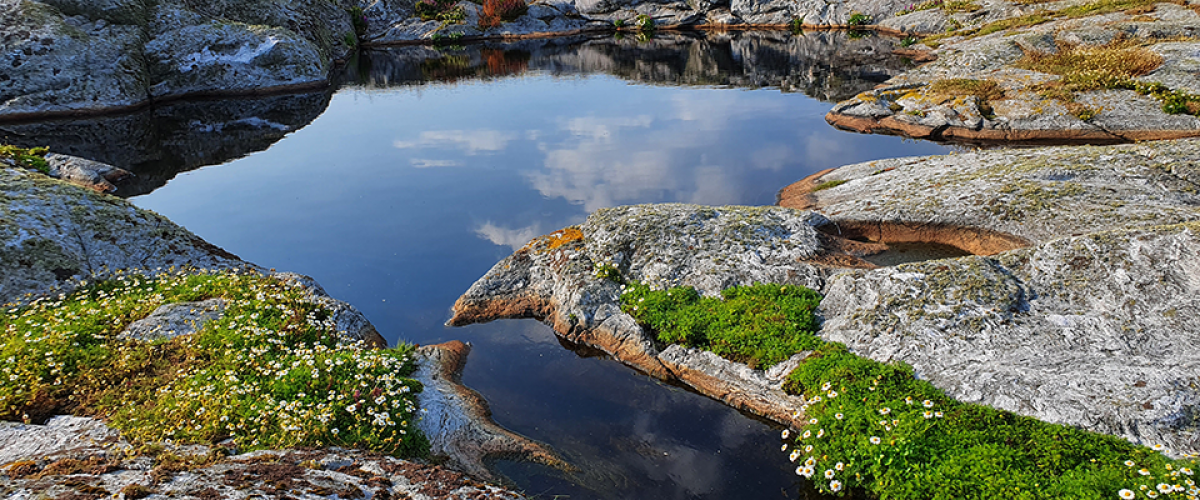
[1085, 68]
[987, 90]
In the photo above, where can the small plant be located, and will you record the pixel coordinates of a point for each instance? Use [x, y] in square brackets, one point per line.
[609, 272]
[796, 25]
[359, 20]
[858, 19]
[496, 11]
[645, 23]
[32, 158]
[909, 41]
[350, 40]
[619, 23]
[447, 11]
[1081, 111]
[985, 91]
[829, 185]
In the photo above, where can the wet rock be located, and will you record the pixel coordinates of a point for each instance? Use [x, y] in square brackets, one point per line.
[457, 420]
[558, 278]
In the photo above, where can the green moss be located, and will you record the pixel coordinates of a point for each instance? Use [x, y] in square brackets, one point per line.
[829, 185]
[877, 428]
[271, 372]
[760, 325]
[32, 158]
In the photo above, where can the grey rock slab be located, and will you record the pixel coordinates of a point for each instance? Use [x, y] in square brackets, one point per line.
[1034, 194]
[55, 66]
[174, 320]
[53, 233]
[231, 57]
[1093, 331]
[59, 435]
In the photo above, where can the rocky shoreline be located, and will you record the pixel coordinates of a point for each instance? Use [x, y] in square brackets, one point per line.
[1079, 313]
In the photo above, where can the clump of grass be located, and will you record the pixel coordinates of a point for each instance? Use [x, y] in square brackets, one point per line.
[947, 6]
[858, 19]
[829, 185]
[760, 325]
[985, 91]
[1082, 68]
[32, 158]
[1174, 101]
[271, 372]
[874, 426]
[446, 11]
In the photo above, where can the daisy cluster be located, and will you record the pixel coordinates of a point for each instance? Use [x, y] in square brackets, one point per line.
[875, 427]
[271, 372]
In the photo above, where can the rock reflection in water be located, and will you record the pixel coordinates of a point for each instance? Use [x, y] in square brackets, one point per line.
[160, 141]
[829, 66]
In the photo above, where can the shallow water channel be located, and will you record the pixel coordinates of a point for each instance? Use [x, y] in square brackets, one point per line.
[403, 185]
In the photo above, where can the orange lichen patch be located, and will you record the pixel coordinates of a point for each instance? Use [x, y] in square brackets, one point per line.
[555, 240]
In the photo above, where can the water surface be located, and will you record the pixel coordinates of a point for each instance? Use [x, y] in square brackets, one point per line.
[404, 185]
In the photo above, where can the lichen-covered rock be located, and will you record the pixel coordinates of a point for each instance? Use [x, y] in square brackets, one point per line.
[53, 233]
[1021, 109]
[75, 456]
[565, 279]
[70, 57]
[1016, 196]
[1095, 331]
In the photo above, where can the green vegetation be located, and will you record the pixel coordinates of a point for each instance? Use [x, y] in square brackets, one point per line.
[947, 6]
[1097, 7]
[796, 25]
[829, 185]
[645, 23]
[985, 91]
[446, 11]
[874, 427]
[271, 372]
[858, 19]
[1114, 65]
[33, 158]
[760, 325]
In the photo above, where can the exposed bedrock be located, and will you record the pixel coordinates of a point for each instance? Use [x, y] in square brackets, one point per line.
[1081, 309]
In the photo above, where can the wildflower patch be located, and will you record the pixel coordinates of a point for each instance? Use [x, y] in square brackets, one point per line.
[874, 427]
[271, 372]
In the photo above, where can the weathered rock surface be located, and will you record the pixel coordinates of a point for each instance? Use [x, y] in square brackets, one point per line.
[555, 279]
[87, 173]
[53, 234]
[457, 420]
[1095, 331]
[909, 105]
[64, 57]
[1014, 196]
[76, 456]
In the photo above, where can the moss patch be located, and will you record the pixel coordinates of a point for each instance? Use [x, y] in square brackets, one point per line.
[32, 158]
[829, 185]
[760, 325]
[272, 372]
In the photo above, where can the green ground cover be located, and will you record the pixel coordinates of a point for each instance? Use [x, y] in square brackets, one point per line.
[271, 372]
[875, 428]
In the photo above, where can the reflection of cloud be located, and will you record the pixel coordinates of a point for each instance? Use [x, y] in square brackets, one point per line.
[596, 176]
[515, 238]
[823, 152]
[427, 163]
[601, 129]
[715, 110]
[469, 141]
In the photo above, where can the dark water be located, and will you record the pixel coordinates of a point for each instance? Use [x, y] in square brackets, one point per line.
[403, 186]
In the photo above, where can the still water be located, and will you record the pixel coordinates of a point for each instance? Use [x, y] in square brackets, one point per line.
[408, 181]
